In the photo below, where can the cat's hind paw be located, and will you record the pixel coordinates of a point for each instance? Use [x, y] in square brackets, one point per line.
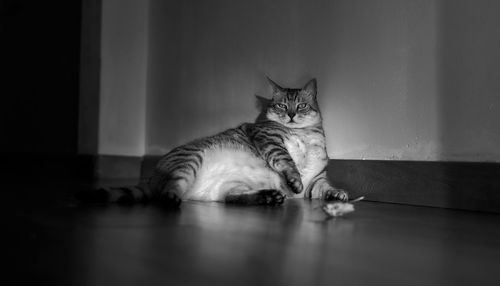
[335, 195]
[169, 200]
[270, 197]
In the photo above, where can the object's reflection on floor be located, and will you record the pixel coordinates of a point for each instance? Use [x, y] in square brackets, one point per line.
[214, 244]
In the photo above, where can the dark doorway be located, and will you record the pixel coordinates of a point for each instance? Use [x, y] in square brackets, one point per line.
[40, 54]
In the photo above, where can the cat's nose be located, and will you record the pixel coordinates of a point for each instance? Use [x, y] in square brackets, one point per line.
[291, 115]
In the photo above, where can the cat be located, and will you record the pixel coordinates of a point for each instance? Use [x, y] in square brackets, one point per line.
[282, 154]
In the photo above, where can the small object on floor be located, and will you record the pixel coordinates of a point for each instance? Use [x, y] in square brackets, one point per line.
[340, 208]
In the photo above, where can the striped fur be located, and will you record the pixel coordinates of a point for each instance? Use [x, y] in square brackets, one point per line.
[282, 154]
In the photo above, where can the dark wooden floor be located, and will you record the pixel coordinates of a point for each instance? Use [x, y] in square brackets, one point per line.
[52, 241]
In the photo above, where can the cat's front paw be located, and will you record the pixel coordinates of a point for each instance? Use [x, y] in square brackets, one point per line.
[335, 195]
[270, 197]
[294, 182]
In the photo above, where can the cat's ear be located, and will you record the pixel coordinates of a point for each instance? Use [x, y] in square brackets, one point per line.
[311, 88]
[274, 86]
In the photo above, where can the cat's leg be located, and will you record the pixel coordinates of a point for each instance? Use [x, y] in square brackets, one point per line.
[259, 197]
[125, 195]
[320, 188]
[173, 177]
[170, 191]
[276, 155]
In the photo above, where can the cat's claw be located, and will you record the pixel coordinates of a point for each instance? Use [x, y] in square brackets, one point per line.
[271, 197]
[295, 184]
[335, 195]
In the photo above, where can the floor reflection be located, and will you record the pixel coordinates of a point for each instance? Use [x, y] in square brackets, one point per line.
[293, 244]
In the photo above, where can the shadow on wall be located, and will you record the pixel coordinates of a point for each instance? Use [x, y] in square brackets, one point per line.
[468, 71]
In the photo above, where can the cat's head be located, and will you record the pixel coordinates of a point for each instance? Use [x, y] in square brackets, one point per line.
[294, 107]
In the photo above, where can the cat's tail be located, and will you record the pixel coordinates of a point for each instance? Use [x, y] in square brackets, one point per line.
[140, 193]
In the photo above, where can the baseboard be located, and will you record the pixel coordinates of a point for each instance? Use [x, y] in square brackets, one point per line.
[148, 165]
[110, 166]
[455, 185]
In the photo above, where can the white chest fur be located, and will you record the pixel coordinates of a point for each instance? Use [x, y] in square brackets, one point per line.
[308, 151]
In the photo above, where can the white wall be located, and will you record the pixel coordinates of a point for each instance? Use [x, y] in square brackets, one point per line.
[113, 92]
[469, 66]
[404, 80]
[398, 79]
[124, 42]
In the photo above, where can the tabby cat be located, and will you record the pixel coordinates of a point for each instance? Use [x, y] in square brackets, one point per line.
[282, 154]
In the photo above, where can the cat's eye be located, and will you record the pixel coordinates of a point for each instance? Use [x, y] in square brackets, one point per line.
[302, 106]
[280, 106]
